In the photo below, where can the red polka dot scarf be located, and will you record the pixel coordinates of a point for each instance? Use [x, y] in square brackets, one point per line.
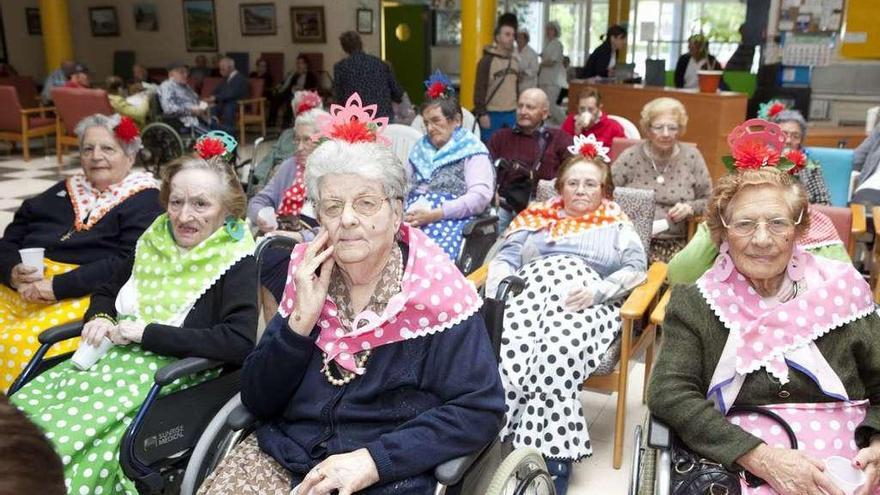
[295, 196]
[90, 205]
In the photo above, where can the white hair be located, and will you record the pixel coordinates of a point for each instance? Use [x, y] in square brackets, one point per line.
[309, 118]
[108, 122]
[372, 161]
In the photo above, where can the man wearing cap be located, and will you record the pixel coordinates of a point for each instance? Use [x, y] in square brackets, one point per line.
[79, 77]
[179, 100]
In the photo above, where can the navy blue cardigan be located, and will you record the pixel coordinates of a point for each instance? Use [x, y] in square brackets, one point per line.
[420, 403]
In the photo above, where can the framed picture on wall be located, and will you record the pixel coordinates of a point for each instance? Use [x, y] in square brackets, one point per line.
[257, 19]
[200, 25]
[146, 18]
[4, 57]
[447, 27]
[32, 18]
[103, 21]
[365, 21]
[307, 24]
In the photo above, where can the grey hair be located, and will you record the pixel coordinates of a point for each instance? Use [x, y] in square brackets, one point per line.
[309, 118]
[448, 105]
[792, 116]
[372, 161]
[108, 122]
[555, 25]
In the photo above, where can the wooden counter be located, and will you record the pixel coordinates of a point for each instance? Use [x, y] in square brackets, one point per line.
[831, 137]
[711, 116]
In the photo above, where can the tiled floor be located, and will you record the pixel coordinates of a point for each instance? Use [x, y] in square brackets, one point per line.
[593, 476]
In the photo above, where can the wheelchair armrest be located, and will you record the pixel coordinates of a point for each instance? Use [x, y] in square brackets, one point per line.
[452, 471]
[184, 367]
[640, 299]
[61, 332]
[240, 418]
[511, 285]
[659, 434]
[480, 223]
[274, 242]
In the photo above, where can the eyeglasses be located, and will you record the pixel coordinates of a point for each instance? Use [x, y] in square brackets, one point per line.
[793, 135]
[671, 129]
[776, 226]
[366, 205]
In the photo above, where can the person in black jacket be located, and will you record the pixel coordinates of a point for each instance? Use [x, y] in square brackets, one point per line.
[365, 75]
[302, 78]
[189, 290]
[601, 62]
[377, 367]
[225, 98]
[696, 59]
[87, 224]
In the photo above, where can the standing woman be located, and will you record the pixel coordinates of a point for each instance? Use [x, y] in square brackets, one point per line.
[452, 176]
[696, 59]
[675, 171]
[601, 62]
[551, 77]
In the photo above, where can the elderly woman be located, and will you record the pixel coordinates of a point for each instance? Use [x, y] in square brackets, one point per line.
[674, 170]
[794, 127]
[453, 179]
[189, 290]
[691, 63]
[771, 325]
[821, 239]
[87, 224]
[579, 255]
[378, 367]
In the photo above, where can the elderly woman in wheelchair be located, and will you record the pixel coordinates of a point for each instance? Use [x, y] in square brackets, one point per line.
[453, 178]
[188, 290]
[773, 331]
[578, 255]
[378, 366]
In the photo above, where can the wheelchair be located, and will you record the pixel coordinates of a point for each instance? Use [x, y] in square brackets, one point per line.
[522, 471]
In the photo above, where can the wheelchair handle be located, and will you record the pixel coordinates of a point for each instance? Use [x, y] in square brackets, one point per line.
[61, 332]
[240, 418]
[452, 471]
[511, 285]
[184, 367]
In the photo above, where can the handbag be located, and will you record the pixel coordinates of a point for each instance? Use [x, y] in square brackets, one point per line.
[693, 474]
[516, 180]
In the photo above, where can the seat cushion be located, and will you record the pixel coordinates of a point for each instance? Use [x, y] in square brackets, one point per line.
[40, 121]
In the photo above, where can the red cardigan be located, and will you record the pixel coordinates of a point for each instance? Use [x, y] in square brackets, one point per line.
[604, 129]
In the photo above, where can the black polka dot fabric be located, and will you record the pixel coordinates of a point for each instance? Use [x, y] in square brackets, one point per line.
[547, 351]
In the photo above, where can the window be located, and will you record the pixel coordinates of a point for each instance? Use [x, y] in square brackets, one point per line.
[572, 16]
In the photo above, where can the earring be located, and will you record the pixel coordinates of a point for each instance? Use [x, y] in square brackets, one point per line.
[795, 269]
[234, 228]
[724, 263]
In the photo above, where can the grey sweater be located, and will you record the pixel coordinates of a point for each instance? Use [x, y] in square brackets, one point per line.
[693, 341]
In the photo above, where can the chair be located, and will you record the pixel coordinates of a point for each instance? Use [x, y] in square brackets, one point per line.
[629, 129]
[837, 167]
[850, 223]
[209, 84]
[468, 121]
[28, 96]
[403, 139]
[71, 106]
[252, 110]
[19, 124]
[275, 64]
[619, 145]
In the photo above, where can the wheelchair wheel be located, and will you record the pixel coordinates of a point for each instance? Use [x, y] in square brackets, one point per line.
[161, 145]
[523, 472]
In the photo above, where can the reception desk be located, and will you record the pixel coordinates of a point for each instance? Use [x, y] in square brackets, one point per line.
[711, 116]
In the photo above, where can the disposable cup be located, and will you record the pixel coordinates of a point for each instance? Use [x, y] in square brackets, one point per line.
[709, 80]
[87, 355]
[267, 214]
[843, 474]
[33, 257]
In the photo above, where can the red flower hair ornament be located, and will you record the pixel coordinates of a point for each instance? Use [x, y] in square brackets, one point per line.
[352, 123]
[589, 147]
[303, 101]
[215, 143]
[126, 130]
[757, 143]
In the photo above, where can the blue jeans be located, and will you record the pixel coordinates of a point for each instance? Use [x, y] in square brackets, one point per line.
[497, 120]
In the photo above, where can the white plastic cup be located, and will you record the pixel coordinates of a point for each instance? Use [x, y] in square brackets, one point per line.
[267, 214]
[87, 355]
[33, 257]
[843, 474]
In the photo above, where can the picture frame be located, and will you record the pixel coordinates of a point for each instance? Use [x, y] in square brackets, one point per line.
[200, 25]
[103, 21]
[257, 19]
[32, 19]
[364, 21]
[307, 24]
[146, 17]
[447, 28]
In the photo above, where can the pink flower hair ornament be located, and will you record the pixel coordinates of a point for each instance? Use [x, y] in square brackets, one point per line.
[352, 123]
[757, 143]
[589, 147]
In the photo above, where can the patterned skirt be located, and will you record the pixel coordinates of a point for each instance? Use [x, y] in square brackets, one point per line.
[663, 250]
[85, 413]
[446, 232]
[22, 322]
[547, 352]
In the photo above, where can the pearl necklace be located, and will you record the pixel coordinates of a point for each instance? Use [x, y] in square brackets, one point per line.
[361, 358]
[660, 178]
